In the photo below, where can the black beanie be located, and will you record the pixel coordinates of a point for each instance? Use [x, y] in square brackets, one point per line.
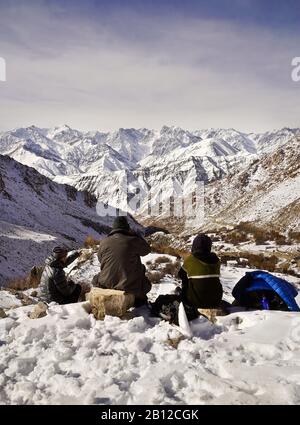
[121, 223]
[60, 251]
[202, 244]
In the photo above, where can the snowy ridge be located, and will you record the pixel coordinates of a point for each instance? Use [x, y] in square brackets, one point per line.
[74, 149]
[101, 162]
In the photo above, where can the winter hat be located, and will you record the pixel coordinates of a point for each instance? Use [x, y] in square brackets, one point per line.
[202, 244]
[121, 223]
[59, 251]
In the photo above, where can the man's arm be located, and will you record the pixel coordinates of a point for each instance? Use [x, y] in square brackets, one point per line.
[182, 274]
[71, 258]
[99, 253]
[143, 248]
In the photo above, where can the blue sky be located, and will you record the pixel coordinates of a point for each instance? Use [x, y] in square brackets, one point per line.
[110, 64]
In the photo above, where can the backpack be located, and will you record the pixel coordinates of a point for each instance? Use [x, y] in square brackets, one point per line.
[166, 307]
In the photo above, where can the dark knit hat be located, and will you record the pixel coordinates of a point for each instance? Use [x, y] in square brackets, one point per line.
[121, 223]
[60, 251]
[202, 244]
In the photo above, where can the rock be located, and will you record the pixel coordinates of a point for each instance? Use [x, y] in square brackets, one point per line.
[232, 263]
[3, 315]
[27, 300]
[33, 294]
[109, 302]
[212, 313]
[40, 310]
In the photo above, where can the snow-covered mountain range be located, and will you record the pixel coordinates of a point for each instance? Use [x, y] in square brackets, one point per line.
[167, 162]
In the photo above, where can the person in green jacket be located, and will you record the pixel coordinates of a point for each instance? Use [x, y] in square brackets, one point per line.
[200, 275]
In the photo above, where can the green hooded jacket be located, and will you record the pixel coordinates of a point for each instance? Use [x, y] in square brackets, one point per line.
[201, 286]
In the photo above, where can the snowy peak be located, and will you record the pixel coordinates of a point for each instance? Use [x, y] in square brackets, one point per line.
[64, 134]
[151, 159]
[59, 151]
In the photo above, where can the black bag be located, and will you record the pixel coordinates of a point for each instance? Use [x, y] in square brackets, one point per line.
[166, 307]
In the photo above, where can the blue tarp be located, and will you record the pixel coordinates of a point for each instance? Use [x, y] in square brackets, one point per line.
[264, 281]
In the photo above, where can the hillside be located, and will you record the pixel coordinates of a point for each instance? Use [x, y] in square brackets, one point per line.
[266, 192]
[37, 214]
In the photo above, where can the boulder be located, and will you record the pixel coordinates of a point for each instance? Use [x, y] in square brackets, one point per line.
[109, 302]
[212, 313]
[40, 310]
[3, 315]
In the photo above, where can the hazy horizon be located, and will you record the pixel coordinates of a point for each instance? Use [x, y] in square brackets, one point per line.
[193, 64]
[103, 130]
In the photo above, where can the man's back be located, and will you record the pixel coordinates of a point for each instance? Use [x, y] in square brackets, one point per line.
[121, 268]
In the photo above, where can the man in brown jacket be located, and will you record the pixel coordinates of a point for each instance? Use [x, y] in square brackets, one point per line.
[121, 267]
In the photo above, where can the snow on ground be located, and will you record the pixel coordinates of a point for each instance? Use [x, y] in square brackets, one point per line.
[269, 246]
[8, 300]
[152, 257]
[68, 357]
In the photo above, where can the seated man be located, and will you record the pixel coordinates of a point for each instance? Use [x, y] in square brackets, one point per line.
[200, 275]
[121, 267]
[54, 285]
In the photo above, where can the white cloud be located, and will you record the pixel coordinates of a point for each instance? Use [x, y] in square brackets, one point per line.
[128, 71]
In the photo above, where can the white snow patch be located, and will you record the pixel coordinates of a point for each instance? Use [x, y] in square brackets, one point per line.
[68, 357]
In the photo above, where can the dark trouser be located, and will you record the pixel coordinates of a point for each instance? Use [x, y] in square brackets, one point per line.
[139, 301]
[73, 298]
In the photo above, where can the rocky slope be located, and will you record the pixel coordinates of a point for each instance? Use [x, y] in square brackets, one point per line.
[266, 192]
[37, 214]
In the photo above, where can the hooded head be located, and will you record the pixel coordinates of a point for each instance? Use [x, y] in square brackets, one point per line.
[60, 252]
[202, 244]
[121, 223]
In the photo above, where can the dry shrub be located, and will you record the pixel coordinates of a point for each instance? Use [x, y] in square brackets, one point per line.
[151, 266]
[19, 284]
[294, 236]
[246, 231]
[235, 237]
[172, 268]
[281, 240]
[161, 260]
[155, 276]
[32, 280]
[262, 262]
[91, 242]
[169, 250]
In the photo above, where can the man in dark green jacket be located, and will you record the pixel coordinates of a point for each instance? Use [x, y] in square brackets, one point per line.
[121, 267]
[54, 285]
[200, 275]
